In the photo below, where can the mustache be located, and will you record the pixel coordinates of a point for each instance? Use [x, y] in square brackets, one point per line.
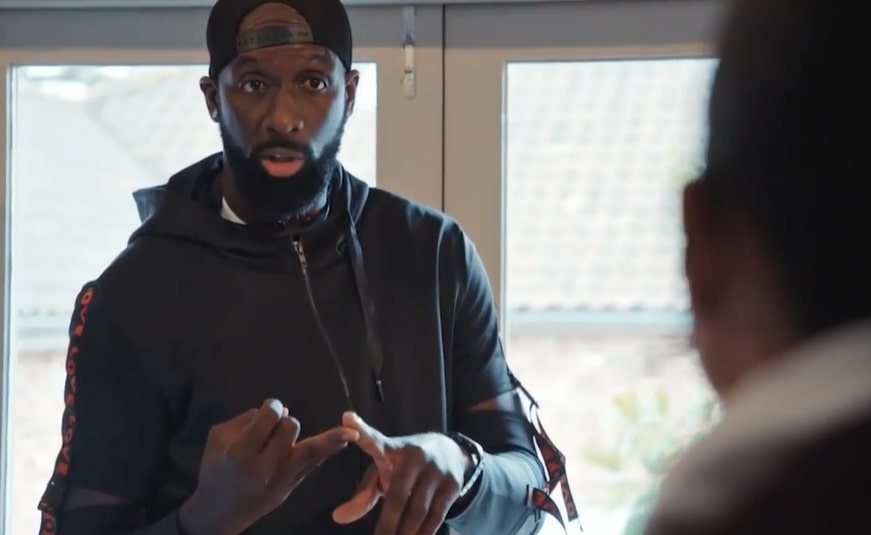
[258, 150]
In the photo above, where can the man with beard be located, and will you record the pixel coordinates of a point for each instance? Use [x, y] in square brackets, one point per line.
[281, 349]
[781, 294]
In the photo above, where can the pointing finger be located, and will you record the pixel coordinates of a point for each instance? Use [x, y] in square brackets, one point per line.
[371, 440]
[309, 453]
[362, 501]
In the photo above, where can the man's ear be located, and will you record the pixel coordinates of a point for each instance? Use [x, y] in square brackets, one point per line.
[708, 242]
[352, 81]
[209, 87]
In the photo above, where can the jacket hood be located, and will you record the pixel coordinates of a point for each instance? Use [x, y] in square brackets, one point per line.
[187, 208]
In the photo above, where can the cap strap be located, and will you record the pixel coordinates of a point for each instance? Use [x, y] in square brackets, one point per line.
[274, 36]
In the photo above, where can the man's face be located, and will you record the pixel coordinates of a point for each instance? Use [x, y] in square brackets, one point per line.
[281, 112]
[708, 273]
[741, 316]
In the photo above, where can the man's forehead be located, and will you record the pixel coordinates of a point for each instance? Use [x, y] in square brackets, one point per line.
[296, 54]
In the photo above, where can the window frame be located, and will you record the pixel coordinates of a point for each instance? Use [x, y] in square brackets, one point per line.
[481, 40]
[124, 36]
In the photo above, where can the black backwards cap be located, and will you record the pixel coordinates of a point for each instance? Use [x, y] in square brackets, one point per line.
[327, 26]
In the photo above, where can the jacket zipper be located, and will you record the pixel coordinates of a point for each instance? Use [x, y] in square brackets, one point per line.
[303, 262]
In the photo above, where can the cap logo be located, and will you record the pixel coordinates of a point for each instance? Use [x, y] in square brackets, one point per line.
[274, 36]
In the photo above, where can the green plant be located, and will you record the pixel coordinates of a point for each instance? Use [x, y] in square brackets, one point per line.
[654, 432]
[641, 509]
[702, 415]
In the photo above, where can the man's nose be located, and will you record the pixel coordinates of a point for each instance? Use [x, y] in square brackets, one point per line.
[284, 116]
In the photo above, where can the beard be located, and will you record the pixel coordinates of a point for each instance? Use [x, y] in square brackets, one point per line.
[275, 199]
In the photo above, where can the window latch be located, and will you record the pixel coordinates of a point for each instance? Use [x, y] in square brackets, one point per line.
[408, 43]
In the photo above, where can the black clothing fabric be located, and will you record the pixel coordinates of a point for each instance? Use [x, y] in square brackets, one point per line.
[201, 319]
[823, 488]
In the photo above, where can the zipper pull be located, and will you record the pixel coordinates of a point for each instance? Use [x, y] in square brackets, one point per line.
[379, 387]
[300, 252]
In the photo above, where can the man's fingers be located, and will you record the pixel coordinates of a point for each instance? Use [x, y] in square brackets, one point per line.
[418, 505]
[371, 440]
[221, 435]
[442, 500]
[363, 501]
[278, 447]
[309, 453]
[243, 419]
[306, 455]
[257, 431]
[397, 496]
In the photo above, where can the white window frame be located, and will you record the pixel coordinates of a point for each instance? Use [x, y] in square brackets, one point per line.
[481, 40]
[409, 157]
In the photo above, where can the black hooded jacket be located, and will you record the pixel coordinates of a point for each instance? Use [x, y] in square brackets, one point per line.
[201, 319]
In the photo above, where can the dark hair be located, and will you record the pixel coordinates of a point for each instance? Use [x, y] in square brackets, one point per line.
[790, 114]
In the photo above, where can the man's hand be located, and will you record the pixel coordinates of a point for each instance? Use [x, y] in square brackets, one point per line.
[250, 465]
[418, 476]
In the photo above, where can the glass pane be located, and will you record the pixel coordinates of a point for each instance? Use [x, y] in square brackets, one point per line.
[597, 320]
[84, 138]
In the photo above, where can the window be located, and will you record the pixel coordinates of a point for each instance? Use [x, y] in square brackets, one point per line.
[582, 145]
[596, 309]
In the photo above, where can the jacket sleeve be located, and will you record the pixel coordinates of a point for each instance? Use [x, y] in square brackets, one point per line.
[115, 428]
[480, 373]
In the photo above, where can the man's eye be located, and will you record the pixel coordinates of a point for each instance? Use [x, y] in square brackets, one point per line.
[315, 84]
[253, 86]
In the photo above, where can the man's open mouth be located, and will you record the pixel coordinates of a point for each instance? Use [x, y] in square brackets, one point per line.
[282, 162]
[281, 155]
